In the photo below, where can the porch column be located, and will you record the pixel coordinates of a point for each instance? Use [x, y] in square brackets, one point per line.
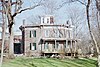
[55, 44]
[43, 45]
[75, 46]
[66, 43]
[71, 48]
[75, 53]
[66, 48]
[43, 48]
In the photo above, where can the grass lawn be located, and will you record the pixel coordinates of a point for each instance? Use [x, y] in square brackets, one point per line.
[49, 62]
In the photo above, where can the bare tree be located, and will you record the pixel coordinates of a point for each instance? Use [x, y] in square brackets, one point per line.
[50, 6]
[34, 19]
[87, 5]
[3, 34]
[76, 16]
[98, 20]
[13, 8]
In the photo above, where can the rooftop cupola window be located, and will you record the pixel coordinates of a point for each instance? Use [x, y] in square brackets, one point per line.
[47, 20]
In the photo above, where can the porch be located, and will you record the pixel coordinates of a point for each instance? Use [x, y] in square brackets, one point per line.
[58, 46]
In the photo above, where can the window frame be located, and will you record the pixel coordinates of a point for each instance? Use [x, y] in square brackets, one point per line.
[57, 33]
[33, 46]
[57, 45]
[33, 33]
[47, 32]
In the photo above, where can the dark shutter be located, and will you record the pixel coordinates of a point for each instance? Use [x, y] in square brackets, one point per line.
[30, 46]
[30, 34]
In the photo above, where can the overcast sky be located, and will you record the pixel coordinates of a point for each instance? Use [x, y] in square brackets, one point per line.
[60, 15]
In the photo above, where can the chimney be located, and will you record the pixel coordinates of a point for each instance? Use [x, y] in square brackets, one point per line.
[67, 22]
[23, 21]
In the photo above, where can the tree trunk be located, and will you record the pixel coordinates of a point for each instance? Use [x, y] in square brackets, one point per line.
[3, 33]
[98, 20]
[99, 36]
[91, 34]
[11, 45]
[3, 39]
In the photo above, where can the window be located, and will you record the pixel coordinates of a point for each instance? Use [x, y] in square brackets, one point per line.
[33, 33]
[33, 46]
[46, 33]
[69, 43]
[51, 20]
[53, 45]
[46, 45]
[57, 45]
[56, 33]
[64, 44]
[47, 20]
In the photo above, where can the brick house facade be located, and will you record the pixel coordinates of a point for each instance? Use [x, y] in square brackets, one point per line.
[47, 38]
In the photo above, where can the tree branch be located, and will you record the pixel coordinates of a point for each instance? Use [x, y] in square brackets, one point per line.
[81, 2]
[64, 3]
[60, 6]
[2, 11]
[29, 8]
[97, 5]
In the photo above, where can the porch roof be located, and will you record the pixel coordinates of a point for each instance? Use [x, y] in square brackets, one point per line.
[58, 39]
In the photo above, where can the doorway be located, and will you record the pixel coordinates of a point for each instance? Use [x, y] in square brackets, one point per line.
[17, 48]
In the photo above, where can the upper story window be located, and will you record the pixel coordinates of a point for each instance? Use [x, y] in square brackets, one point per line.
[56, 33]
[47, 33]
[33, 33]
